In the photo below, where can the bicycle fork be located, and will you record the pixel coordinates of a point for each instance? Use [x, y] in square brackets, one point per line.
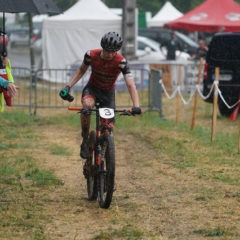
[98, 157]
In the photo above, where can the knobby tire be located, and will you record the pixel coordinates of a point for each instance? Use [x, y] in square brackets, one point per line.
[92, 176]
[107, 171]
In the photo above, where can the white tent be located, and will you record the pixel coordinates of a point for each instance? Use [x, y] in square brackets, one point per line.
[167, 13]
[66, 37]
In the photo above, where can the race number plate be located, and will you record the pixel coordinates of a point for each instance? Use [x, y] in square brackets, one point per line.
[106, 113]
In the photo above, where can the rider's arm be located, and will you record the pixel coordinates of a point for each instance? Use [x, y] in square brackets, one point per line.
[124, 67]
[77, 75]
[80, 71]
[132, 89]
[3, 82]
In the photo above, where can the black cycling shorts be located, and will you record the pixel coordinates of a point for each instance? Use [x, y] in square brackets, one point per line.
[105, 97]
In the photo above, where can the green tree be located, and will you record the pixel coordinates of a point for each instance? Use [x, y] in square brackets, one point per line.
[143, 5]
[154, 5]
[64, 5]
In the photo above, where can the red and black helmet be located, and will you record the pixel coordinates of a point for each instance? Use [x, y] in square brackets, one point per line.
[111, 41]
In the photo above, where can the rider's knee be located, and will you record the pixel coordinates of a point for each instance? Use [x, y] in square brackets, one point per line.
[88, 101]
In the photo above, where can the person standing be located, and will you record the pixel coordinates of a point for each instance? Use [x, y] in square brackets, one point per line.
[7, 92]
[201, 51]
[171, 46]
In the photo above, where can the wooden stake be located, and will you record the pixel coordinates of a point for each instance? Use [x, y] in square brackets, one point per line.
[215, 104]
[178, 100]
[196, 94]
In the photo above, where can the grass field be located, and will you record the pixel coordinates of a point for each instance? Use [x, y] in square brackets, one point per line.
[172, 183]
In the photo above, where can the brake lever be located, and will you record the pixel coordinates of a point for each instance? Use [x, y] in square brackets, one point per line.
[86, 111]
[126, 113]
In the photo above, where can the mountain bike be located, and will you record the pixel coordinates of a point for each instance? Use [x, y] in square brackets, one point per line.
[99, 168]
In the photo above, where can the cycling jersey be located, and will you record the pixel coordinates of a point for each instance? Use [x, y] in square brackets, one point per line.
[105, 72]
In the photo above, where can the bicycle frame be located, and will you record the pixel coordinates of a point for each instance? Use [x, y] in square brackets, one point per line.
[98, 130]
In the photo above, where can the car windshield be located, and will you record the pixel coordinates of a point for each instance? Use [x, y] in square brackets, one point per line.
[151, 43]
[186, 39]
[226, 48]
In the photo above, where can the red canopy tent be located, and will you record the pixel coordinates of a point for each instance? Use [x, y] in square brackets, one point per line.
[210, 16]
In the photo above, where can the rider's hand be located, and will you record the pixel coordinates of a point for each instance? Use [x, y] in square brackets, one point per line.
[12, 89]
[136, 110]
[65, 95]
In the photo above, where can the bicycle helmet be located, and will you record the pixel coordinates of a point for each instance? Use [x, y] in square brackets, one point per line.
[111, 41]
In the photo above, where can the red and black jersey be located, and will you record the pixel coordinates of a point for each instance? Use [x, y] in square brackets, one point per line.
[105, 72]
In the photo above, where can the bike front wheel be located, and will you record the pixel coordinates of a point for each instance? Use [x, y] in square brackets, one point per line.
[107, 171]
[92, 176]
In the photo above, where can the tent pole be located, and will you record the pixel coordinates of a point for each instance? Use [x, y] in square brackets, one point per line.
[32, 62]
[4, 52]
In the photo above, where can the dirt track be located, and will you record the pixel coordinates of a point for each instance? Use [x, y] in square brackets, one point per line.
[152, 197]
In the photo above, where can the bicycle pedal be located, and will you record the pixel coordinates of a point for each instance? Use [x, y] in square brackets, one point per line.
[86, 170]
[85, 174]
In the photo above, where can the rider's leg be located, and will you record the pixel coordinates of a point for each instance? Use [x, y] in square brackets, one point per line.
[88, 101]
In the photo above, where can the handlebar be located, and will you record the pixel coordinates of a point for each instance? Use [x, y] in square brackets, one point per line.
[87, 110]
[75, 108]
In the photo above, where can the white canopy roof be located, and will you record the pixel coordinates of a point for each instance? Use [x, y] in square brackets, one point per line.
[67, 36]
[167, 13]
[87, 10]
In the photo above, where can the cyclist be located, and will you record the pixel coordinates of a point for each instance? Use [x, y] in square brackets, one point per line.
[106, 64]
[6, 73]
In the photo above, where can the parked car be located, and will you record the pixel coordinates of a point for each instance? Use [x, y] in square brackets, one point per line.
[149, 50]
[11, 28]
[224, 52]
[162, 35]
[20, 37]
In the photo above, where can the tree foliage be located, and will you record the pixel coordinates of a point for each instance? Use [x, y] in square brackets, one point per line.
[154, 5]
[64, 5]
[143, 5]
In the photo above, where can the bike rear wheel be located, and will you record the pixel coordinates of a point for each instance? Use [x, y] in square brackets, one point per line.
[92, 176]
[106, 174]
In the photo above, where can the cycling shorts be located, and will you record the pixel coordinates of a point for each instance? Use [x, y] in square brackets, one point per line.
[105, 97]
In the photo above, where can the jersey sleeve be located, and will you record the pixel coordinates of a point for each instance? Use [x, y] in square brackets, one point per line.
[87, 58]
[124, 67]
[3, 82]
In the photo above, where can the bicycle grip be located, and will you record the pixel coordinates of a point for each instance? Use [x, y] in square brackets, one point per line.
[63, 93]
[74, 108]
[66, 96]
